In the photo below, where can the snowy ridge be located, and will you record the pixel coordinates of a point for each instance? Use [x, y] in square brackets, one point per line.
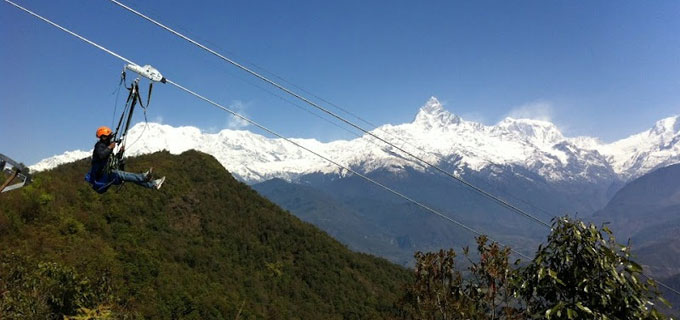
[643, 152]
[533, 144]
[66, 157]
[462, 145]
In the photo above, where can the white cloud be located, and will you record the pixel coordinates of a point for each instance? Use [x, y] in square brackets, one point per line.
[474, 117]
[235, 122]
[537, 110]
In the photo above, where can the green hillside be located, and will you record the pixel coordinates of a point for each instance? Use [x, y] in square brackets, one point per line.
[205, 246]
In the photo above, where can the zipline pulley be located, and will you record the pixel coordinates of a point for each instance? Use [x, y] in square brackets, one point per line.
[146, 71]
[153, 75]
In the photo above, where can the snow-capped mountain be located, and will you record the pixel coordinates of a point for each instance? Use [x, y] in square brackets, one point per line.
[532, 144]
[66, 157]
[436, 135]
[641, 153]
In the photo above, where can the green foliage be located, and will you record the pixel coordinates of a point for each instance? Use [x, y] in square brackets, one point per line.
[38, 290]
[442, 292]
[203, 247]
[100, 312]
[581, 273]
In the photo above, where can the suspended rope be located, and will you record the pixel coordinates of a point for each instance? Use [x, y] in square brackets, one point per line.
[397, 193]
[331, 113]
[419, 204]
[344, 110]
[164, 80]
[116, 162]
[115, 102]
[321, 117]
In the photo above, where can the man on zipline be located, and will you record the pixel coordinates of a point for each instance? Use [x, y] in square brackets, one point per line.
[101, 177]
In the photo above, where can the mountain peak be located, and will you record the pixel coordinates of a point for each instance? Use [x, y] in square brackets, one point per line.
[525, 142]
[432, 106]
[433, 115]
[544, 131]
[669, 125]
[527, 121]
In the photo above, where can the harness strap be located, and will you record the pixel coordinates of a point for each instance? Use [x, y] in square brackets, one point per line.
[116, 162]
[133, 103]
[125, 110]
[148, 96]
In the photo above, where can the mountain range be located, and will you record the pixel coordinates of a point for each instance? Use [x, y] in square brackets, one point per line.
[436, 135]
[528, 163]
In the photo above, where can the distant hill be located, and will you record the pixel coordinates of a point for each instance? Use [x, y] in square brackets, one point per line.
[205, 246]
[376, 215]
[339, 220]
[647, 211]
[648, 208]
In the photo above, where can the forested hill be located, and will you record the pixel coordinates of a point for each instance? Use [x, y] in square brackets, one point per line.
[205, 247]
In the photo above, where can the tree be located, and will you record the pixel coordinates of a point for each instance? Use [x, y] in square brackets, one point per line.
[48, 290]
[442, 292]
[580, 273]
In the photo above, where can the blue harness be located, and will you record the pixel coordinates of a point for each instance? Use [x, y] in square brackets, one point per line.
[106, 179]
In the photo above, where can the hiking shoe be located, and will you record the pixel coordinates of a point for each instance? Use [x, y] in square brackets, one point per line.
[158, 183]
[147, 174]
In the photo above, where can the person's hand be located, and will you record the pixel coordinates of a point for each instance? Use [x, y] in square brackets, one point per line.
[112, 145]
[122, 149]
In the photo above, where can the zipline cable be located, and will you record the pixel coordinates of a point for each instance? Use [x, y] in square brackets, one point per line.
[372, 125]
[433, 211]
[331, 113]
[284, 99]
[395, 192]
[264, 70]
[70, 32]
[311, 112]
[298, 106]
[663, 285]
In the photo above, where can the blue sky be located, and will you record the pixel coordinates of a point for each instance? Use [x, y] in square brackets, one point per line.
[600, 68]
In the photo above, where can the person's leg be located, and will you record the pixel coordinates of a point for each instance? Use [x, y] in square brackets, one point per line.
[136, 178]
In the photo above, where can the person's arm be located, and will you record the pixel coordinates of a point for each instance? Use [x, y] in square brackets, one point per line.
[102, 151]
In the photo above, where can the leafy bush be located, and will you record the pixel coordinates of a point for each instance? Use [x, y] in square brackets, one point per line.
[440, 291]
[581, 273]
[34, 290]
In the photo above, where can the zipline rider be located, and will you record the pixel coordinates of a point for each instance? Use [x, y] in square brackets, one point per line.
[102, 176]
[109, 169]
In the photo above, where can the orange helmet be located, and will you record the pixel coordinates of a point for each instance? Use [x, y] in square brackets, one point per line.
[103, 131]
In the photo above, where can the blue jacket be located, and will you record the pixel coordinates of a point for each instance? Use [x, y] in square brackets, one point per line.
[98, 176]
